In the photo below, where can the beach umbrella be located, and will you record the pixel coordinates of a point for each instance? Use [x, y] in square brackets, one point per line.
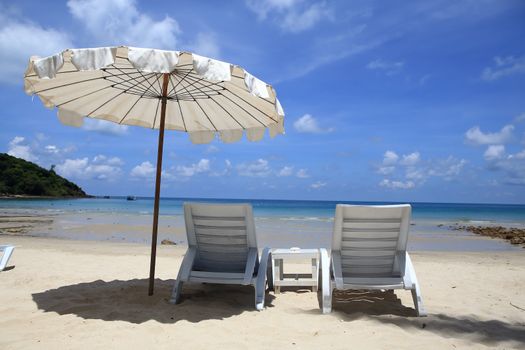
[159, 89]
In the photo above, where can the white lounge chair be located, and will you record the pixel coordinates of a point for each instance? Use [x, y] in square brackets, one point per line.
[369, 252]
[7, 251]
[222, 249]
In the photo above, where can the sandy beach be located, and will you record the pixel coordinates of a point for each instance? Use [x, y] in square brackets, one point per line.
[61, 293]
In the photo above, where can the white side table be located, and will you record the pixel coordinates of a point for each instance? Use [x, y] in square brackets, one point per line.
[294, 279]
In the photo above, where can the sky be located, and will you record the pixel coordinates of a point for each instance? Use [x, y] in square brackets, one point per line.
[419, 101]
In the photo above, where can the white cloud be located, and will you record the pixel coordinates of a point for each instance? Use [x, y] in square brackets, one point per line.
[520, 118]
[504, 66]
[52, 149]
[397, 184]
[390, 158]
[388, 67]
[296, 21]
[448, 168]
[410, 159]
[494, 152]
[317, 185]
[82, 168]
[206, 44]
[263, 7]
[259, 168]
[20, 39]
[292, 15]
[414, 172]
[212, 149]
[104, 127]
[101, 159]
[519, 155]
[476, 137]
[18, 148]
[37, 151]
[302, 174]
[121, 22]
[227, 169]
[385, 170]
[201, 167]
[308, 124]
[511, 165]
[285, 171]
[145, 170]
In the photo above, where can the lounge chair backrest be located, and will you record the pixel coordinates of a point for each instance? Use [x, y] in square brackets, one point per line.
[221, 234]
[369, 237]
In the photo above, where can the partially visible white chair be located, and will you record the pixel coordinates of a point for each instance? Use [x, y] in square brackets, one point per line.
[369, 252]
[7, 251]
[222, 249]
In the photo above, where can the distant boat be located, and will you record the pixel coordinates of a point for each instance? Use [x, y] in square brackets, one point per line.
[131, 198]
[106, 197]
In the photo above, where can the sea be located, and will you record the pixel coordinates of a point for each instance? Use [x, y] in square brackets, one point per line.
[306, 223]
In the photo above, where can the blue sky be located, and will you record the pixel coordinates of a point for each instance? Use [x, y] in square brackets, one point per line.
[384, 101]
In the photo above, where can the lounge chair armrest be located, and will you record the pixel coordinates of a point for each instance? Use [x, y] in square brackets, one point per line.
[251, 262]
[263, 265]
[187, 264]
[336, 268]
[260, 283]
[408, 272]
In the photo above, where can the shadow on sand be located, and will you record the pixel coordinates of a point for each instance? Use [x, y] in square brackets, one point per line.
[385, 307]
[128, 301]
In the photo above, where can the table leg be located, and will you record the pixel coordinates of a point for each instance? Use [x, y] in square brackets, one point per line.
[314, 275]
[277, 273]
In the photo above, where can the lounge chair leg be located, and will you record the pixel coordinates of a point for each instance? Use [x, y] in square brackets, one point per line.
[175, 294]
[418, 301]
[325, 285]
[8, 250]
[259, 299]
[416, 292]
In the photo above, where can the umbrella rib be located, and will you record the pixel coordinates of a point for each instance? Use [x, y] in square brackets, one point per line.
[238, 105]
[233, 93]
[156, 112]
[199, 80]
[105, 103]
[206, 114]
[124, 83]
[72, 83]
[180, 81]
[89, 93]
[180, 108]
[251, 115]
[218, 104]
[140, 83]
[138, 99]
[182, 116]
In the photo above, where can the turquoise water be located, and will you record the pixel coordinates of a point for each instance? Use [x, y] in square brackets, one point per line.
[291, 209]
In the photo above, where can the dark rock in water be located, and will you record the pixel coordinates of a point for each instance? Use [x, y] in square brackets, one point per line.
[167, 242]
[511, 234]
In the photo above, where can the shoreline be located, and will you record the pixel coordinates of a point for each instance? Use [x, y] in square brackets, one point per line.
[425, 235]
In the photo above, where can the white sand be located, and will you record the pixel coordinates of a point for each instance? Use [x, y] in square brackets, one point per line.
[65, 294]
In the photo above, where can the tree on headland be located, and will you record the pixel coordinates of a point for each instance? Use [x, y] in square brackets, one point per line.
[20, 177]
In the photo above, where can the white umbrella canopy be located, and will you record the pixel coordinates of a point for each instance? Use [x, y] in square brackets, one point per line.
[157, 89]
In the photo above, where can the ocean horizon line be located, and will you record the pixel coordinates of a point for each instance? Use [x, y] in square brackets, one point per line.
[372, 202]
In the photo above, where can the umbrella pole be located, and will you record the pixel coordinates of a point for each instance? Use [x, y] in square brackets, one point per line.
[157, 184]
